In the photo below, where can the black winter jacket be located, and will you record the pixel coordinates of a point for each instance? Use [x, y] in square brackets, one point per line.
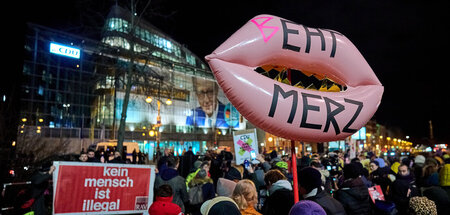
[279, 203]
[401, 190]
[354, 197]
[328, 203]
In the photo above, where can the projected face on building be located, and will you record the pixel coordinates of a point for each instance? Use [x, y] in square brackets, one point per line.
[206, 92]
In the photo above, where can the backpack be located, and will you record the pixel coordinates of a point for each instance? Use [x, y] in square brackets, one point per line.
[385, 207]
[196, 194]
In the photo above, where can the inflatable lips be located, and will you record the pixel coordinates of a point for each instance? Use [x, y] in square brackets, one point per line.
[288, 111]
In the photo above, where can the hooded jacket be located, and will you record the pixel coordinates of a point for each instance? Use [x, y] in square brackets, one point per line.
[164, 206]
[399, 190]
[170, 176]
[281, 184]
[207, 187]
[444, 175]
[280, 199]
[328, 203]
[354, 197]
[380, 177]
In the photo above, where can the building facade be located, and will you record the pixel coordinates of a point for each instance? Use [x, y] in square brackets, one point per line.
[75, 87]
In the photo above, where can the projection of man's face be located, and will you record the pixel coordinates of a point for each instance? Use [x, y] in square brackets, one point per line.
[206, 92]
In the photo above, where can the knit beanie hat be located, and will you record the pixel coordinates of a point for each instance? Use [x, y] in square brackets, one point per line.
[220, 205]
[225, 187]
[422, 206]
[307, 207]
[419, 159]
[431, 161]
[352, 170]
[273, 154]
[197, 164]
[375, 162]
[233, 174]
[309, 178]
[381, 162]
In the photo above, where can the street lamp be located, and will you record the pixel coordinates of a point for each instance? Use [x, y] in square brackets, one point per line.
[158, 117]
[169, 102]
[148, 99]
[151, 133]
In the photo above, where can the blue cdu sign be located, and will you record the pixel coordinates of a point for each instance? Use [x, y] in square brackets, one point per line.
[64, 50]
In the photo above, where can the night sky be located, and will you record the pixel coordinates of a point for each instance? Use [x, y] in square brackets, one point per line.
[404, 42]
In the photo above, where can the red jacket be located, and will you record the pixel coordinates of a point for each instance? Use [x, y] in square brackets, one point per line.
[164, 206]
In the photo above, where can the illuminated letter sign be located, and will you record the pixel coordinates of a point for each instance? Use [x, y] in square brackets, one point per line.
[64, 50]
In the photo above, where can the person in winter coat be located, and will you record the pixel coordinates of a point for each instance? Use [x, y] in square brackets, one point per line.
[363, 174]
[353, 193]
[402, 189]
[40, 184]
[419, 162]
[170, 176]
[430, 173]
[379, 175]
[281, 197]
[310, 188]
[188, 162]
[116, 158]
[198, 165]
[444, 175]
[163, 204]
[439, 197]
[246, 197]
[207, 188]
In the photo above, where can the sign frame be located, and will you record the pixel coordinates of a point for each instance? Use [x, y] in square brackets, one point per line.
[240, 158]
[57, 164]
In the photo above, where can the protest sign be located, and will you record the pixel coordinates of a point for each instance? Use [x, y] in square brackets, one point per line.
[245, 145]
[376, 193]
[98, 188]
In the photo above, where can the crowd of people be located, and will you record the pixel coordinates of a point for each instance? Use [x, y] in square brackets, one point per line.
[102, 156]
[331, 183]
[328, 184]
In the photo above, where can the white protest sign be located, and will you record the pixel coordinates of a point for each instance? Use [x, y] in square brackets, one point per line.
[245, 145]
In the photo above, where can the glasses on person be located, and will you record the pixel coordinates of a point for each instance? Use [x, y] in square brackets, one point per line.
[205, 93]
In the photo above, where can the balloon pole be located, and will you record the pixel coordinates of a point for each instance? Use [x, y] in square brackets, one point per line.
[294, 171]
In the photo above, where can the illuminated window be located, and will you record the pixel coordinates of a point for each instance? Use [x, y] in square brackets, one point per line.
[117, 42]
[190, 59]
[116, 24]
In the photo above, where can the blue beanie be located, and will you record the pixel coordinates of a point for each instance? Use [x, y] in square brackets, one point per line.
[380, 162]
[307, 207]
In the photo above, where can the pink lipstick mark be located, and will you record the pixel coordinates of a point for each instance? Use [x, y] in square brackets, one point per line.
[261, 27]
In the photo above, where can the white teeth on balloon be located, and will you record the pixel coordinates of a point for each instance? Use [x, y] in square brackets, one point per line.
[301, 80]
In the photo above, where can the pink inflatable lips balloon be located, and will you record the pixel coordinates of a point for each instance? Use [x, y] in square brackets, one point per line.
[285, 110]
